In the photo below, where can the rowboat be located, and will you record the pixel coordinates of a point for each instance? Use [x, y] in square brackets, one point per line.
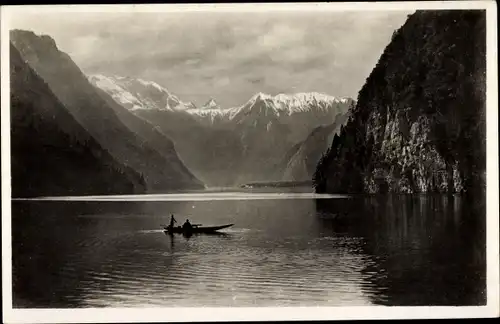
[196, 229]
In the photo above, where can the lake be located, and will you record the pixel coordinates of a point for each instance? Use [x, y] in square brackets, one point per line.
[285, 249]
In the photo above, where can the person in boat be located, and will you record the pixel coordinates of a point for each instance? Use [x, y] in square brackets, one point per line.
[187, 226]
[172, 221]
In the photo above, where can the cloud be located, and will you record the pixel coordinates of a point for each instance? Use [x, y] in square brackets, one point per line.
[228, 56]
[281, 35]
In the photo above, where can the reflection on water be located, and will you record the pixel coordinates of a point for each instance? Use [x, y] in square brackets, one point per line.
[428, 250]
[418, 250]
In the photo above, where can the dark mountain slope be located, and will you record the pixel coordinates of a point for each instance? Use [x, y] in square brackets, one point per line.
[419, 122]
[51, 154]
[94, 113]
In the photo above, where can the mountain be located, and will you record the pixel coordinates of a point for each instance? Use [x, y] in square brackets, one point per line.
[419, 122]
[267, 127]
[138, 94]
[301, 161]
[300, 110]
[51, 154]
[112, 126]
[228, 146]
[211, 104]
[153, 137]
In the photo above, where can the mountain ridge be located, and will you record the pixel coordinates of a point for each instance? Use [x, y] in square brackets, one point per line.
[293, 101]
[93, 111]
[68, 159]
[223, 146]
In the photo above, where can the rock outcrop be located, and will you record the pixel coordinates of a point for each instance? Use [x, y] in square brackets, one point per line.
[419, 122]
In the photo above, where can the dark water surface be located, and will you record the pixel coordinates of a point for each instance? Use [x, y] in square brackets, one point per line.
[414, 250]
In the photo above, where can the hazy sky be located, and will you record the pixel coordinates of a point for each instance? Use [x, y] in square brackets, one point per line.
[226, 56]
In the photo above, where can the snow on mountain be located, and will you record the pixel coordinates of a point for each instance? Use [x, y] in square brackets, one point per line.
[214, 114]
[281, 105]
[138, 94]
[249, 140]
[292, 103]
[211, 104]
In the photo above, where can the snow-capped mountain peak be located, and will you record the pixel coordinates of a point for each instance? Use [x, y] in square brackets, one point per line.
[115, 90]
[137, 93]
[292, 103]
[153, 84]
[262, 104]
[211, 104]
[260, 96]
[141, 94]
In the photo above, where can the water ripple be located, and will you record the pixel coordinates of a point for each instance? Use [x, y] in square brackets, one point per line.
[278, 254]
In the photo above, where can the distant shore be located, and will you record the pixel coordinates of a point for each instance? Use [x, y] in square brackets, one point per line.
[277, 184]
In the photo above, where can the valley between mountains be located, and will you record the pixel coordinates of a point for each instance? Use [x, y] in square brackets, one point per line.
[418, 124]
[265, 139]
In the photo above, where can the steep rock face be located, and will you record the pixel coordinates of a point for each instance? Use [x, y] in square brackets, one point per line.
[51, 154]
[93, 112]
[419, 122]
[301, 161]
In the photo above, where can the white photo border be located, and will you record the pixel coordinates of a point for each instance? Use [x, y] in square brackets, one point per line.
[208, 314]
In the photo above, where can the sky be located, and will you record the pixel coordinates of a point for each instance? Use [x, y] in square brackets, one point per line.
[227, 56]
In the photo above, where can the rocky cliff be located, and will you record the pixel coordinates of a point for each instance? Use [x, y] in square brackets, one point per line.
[419, 121]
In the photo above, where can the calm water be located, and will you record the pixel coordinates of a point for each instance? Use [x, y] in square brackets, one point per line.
[281, 252]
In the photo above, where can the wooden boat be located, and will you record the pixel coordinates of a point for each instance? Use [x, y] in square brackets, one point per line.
[196, 229]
